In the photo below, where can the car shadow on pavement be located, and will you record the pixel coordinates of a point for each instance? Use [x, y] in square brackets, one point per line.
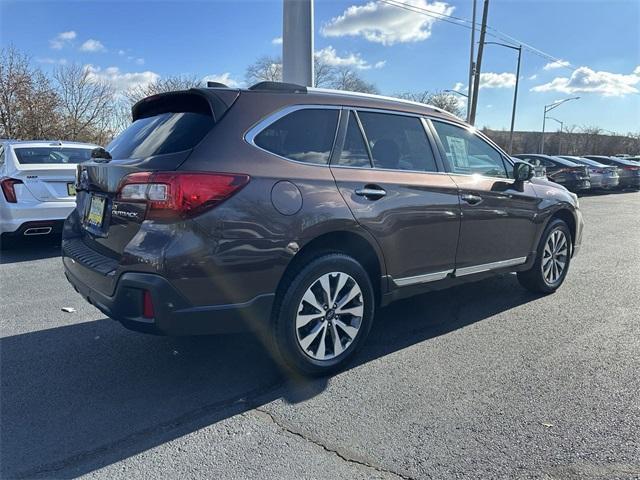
[79, 397]
[29, 249]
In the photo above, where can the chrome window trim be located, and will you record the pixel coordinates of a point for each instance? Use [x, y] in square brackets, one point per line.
[428, 277]
[253, 131]
[485, 267]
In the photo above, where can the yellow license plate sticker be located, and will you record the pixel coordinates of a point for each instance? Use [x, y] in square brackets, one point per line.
[71, 189]
[96, 211]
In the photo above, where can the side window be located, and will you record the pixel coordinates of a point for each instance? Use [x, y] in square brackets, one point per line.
[354, 152]
[467, 153]
[304, 135]
[397, 142]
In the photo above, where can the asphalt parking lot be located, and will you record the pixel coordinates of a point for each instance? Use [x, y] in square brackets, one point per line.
[482, 381]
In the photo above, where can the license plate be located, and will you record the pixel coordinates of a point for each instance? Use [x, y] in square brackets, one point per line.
[96, 211]
[71, 189]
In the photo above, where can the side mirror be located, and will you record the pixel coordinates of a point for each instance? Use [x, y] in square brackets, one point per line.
[522, 172]
[100, 152]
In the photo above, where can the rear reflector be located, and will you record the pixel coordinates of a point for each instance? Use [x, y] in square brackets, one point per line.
[8, 188]
[147, 304]
[171, 195]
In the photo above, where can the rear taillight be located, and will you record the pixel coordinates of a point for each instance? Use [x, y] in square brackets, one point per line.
[171, 195]
[631, 168]
[8, 188]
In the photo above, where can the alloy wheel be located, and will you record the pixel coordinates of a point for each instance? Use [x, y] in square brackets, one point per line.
[329, 316]
[555, 256]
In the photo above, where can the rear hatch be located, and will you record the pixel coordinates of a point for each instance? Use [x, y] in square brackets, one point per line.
[165, 130]
[49, 172]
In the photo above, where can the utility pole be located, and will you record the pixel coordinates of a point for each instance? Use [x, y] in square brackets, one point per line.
[478, 69]
[472, 51]
[297, 42]
[515, 91]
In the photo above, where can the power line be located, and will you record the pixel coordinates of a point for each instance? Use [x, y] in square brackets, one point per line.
[465, 23]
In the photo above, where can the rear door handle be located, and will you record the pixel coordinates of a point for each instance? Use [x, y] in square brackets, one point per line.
[372, 192]
[471, 199]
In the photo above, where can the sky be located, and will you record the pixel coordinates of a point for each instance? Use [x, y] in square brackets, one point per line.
[596, 44]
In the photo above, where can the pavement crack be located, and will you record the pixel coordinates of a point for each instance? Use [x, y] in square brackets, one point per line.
[342, 455]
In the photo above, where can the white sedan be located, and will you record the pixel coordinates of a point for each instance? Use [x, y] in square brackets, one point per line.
[38, 185]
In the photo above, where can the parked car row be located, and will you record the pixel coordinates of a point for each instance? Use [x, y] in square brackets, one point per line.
[589, 172]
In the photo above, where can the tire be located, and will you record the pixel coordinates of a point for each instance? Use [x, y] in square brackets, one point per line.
[299, 343]
[546, 275]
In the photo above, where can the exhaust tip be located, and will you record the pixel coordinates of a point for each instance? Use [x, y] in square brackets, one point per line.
[37, 231]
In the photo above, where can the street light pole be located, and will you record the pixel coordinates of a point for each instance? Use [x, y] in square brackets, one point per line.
[297, 42]
[548, 108]
[561, 130]
[515, 91]
[478, 69]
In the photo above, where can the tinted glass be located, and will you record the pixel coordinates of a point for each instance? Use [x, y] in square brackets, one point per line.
[354, 152]
[467, 153]
[51, 155]
[397, 142]
[304, 135]
[164, 133]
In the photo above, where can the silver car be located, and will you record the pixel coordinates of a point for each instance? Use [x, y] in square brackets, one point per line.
[602, 176]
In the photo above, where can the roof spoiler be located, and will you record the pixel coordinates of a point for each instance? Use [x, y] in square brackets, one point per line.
[205, 101]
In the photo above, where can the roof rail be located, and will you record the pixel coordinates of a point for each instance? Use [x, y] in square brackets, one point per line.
[374, 96]
[279, 87]
[216, 85]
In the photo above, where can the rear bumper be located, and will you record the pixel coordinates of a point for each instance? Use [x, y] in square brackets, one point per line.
[173, 315]
[633, 182]
[13, 216]
[577, 185]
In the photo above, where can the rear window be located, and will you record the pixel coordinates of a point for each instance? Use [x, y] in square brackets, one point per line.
[160, 134]
[304, 135]
[51, 155]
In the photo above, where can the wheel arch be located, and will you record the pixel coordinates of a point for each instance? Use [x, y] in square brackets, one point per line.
[567, 216]
[347, 242]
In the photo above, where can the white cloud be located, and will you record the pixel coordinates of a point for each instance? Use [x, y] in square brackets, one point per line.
[586, 80]
[62, 39]
[533, 77]
[383, 23]
[556, 64]
[122, 81]
[497, 80]
[459, 87]
[329, 56]
[92, 45]
[277, 41]
[223, 78]
[121, 52]
[139, 61]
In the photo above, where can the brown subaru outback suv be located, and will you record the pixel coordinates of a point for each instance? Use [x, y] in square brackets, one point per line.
[295, 213]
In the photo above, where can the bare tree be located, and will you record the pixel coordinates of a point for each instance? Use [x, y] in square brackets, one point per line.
[445, 101]
[166, 84]
[348, 79]
[27, 101]
[265, 69]
[269, 69]
[85, 102]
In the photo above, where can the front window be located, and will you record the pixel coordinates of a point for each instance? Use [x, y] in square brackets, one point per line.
[51, 155]
[467, 153]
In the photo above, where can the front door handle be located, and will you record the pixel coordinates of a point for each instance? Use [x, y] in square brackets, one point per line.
[372, 192]
[471, 199]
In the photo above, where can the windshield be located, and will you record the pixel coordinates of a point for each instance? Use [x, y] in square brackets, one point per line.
[52, 155]
[160, 134]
